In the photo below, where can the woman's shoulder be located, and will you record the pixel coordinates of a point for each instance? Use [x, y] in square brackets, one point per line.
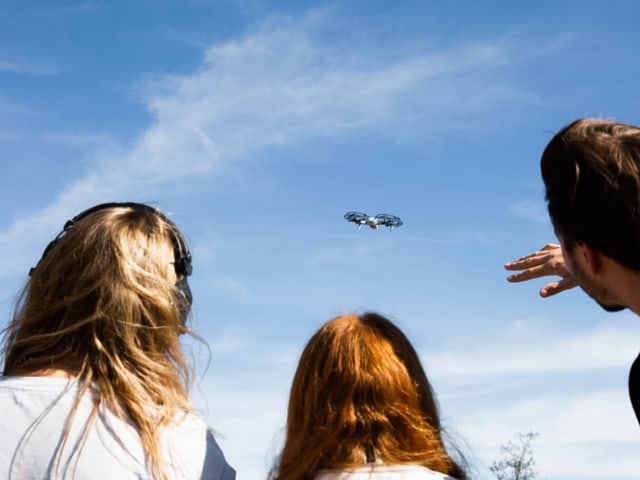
[190, 441]
[42, 383]
[38, 392]
[383, 472]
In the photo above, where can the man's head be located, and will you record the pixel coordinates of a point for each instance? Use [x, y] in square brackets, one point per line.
[591, 172]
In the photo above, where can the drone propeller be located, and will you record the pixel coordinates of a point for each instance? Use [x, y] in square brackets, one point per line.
[356, 217]
[388, 220]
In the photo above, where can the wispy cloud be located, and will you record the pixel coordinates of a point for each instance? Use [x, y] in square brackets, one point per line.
[587, 423]
[560, 418]
[276, 86]
[73, 8]
[13, 108]
[78, 139]
[581, 425]
[29, 68]
[530, 210]
[280, 85]
[609, 345]
[7, 136]
[230, 286]
[585, 428]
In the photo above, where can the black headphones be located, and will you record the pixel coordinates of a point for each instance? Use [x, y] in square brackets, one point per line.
[182, 256]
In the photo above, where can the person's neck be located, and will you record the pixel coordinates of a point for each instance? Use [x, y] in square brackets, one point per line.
[51, 372]
[68, 369]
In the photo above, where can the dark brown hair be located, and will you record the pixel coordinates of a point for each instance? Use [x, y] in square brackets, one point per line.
[591, 172]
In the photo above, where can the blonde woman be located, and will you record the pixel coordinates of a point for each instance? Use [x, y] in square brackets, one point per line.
[95, 385]
[361, 408]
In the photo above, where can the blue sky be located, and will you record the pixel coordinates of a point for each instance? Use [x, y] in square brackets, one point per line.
[257, 124]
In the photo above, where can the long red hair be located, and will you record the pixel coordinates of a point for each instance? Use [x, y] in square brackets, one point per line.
[359, 395]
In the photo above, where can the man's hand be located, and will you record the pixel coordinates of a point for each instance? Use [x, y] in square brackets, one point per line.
[546, 261]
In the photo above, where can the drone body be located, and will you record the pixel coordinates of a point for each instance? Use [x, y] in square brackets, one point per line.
[380, 220]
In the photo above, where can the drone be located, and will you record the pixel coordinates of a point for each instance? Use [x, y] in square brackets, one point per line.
[380, 220]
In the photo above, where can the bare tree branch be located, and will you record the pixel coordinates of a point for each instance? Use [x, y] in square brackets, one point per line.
[517, 462]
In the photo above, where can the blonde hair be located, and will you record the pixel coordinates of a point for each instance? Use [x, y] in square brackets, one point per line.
[103, 305]
[359, 395]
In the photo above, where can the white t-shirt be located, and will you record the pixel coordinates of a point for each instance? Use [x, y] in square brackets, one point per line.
[33, 416]
[379, 471]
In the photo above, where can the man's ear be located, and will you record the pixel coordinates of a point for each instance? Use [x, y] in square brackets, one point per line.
[592, 258]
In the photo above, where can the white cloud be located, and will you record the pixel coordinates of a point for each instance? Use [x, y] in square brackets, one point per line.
[275, 85]
[578, 428]
[244, 397]
[596, 416]
[278, 85]
[586, 429]
[73, 8]
[9, 136]
[77, 139]
[13, 108]
[250, 429]
[613, 343]
[230, 286]
[556, 384]
[29, 68]
[530, 210]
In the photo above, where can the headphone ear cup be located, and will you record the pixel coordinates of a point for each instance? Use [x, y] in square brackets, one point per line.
[183, 266]
[185, 299]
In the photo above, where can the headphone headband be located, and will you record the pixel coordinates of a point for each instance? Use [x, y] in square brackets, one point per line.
[182, 257]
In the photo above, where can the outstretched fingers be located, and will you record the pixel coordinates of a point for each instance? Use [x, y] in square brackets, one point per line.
[556, 287]
[545, 262]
